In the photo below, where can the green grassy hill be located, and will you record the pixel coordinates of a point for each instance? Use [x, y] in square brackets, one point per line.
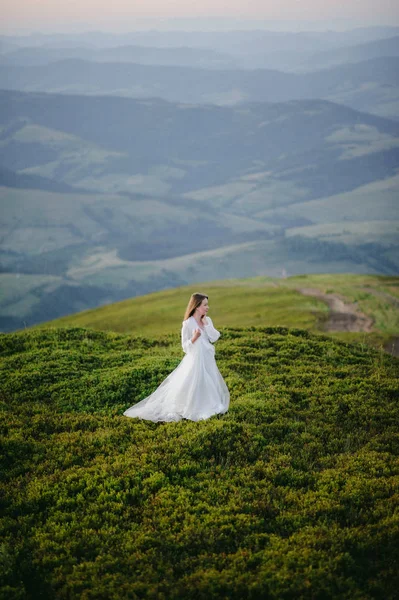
[259, 301]
[290, 494]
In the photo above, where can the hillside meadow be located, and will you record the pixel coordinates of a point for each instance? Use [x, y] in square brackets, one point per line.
[259, 302]
[290, 494]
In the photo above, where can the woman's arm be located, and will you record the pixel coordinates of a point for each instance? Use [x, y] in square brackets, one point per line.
[213, 333]
[188, 337]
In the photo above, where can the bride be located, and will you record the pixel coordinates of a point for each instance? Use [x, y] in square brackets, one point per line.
[195, 390]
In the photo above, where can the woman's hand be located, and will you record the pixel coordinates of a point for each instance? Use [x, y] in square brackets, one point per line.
[204, 320]
[196, 335]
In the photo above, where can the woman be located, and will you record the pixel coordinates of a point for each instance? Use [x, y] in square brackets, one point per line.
[195, 390]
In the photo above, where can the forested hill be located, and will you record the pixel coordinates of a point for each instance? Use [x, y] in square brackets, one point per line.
[290, 494]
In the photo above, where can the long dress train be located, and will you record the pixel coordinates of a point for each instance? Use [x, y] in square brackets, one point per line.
[195, 390]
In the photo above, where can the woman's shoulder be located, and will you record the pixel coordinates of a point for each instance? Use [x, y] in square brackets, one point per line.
[188, 321]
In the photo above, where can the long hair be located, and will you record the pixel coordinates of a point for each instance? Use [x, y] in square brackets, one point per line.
[194, 303]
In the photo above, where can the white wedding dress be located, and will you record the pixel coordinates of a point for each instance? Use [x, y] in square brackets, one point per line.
[195, 390]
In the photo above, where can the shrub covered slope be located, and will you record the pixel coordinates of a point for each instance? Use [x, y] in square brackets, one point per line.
[291, 494]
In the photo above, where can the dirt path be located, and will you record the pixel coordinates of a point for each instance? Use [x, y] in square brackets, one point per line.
[343, 316]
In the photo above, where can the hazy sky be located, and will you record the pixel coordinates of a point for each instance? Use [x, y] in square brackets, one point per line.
[124, 15]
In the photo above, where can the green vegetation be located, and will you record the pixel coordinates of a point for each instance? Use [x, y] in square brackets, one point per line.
[260, 301]
[290, 494]
[239, 303]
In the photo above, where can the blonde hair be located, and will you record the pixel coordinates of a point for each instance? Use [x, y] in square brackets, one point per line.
[193, 304]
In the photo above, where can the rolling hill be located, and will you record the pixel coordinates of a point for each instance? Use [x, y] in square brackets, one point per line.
[288, 214]
[181, 56]
[255, 48]
[93, 142]
[167, 194]
[263, 301]
[369, 85]
[354, 53]
[284, 56]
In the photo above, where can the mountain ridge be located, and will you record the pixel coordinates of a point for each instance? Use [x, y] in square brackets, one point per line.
[229, 87]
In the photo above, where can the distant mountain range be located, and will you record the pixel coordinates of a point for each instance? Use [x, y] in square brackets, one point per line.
[136, 162]
[371, 85]
[259, 49]
[235, 41]
[183, 56]
[357, 53]
[293, 52]
[160, 194]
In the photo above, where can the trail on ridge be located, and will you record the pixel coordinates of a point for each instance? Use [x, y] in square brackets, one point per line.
[343, 315]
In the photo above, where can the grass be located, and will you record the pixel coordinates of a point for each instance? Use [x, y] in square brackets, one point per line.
[290, 494]
[258, 301]
[238, 303]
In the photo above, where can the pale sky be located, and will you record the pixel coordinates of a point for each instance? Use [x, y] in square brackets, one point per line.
[126, 15]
